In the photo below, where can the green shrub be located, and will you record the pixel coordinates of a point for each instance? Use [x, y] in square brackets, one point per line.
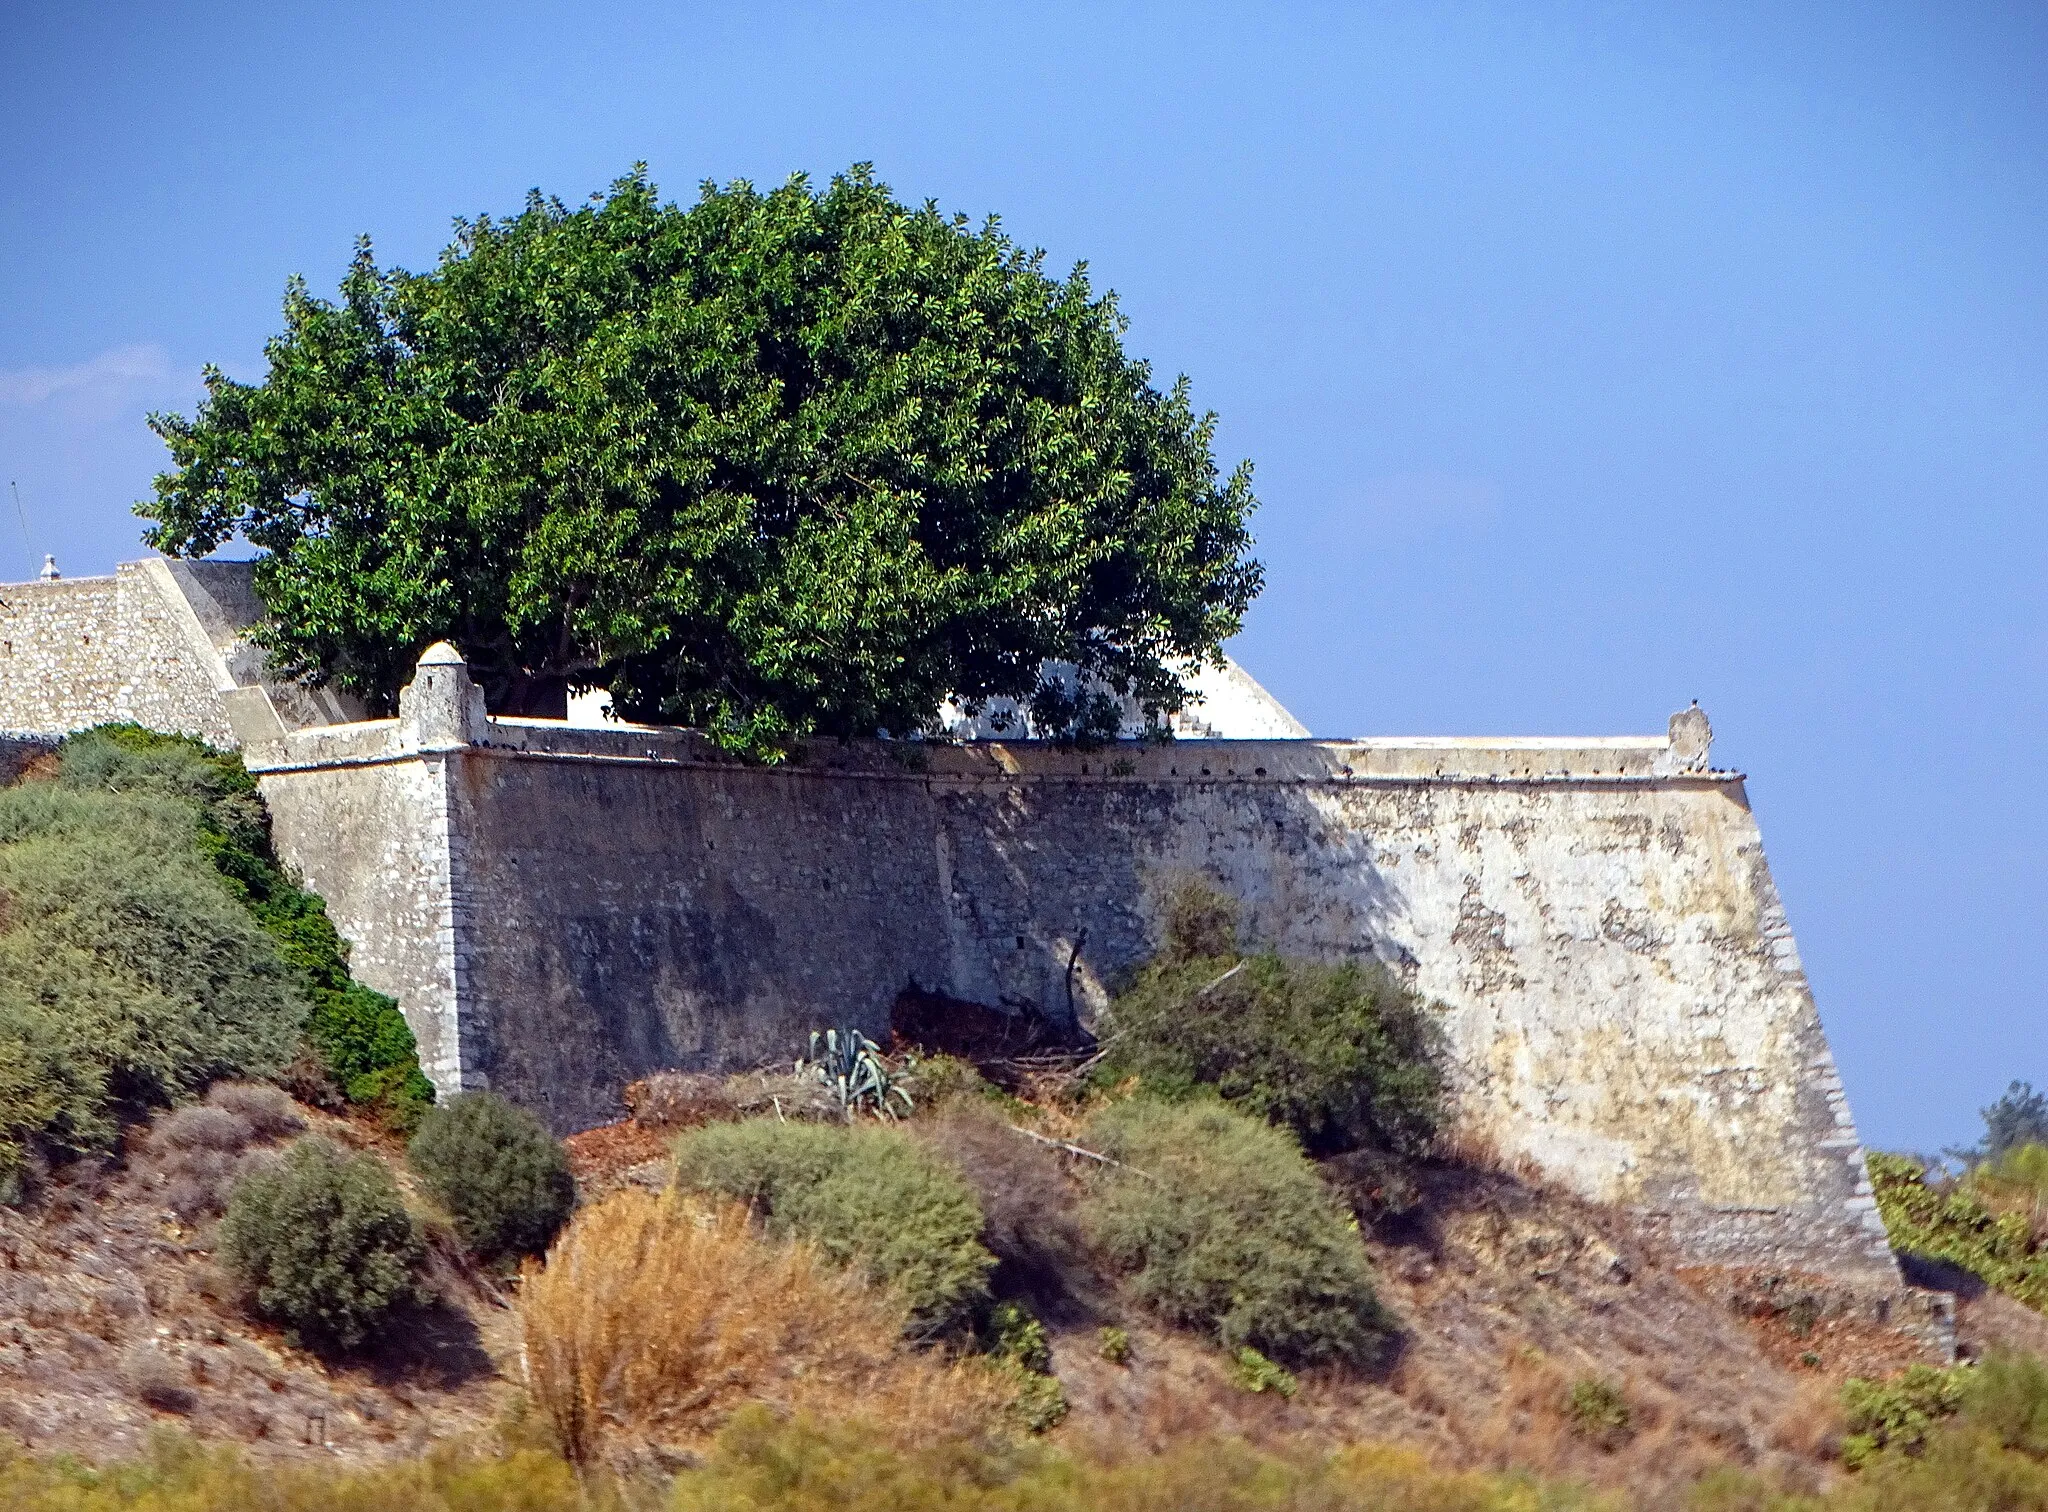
[1950, 1222]
[868, 1195]
[1898, 1414]
[1343, 1055]
[2015, 1181]
[1597, 1410]
[1014, 1334]
[1253, 1372]
[359, 1036]
[1113, 1344]
[150, 943]
[127, 972]
[2007, 1396]
[503, 1178]
[323, 1243]
[1040, 1404]
[51, 1091]
[1222, 1225]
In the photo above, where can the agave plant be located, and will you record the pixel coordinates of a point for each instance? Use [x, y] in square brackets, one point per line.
[851, 1065]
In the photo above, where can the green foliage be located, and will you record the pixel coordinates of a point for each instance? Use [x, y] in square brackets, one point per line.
[2016, 1181]
[772, 464]
[1222, 1225]
[1899, 1414]
[765, 1463]
[1253, 1372]
[2019, 1117]
[368, 1049]
[131, 805]
[1040, 1404]
[2007, 1397]
[1113, 1344]
[359, 1036]
[503, 1178]
[1951, 1223]
[850, 1065]
[1199, 922]
[939, 1079]
[128, 972]
[181, 1474]
[1017, 1342]
[1017, 1336]
[323, 1243]
[1342, 1055]
[1597, 1409]
[1959, 1470]
[866, 1194]
[762, 1463]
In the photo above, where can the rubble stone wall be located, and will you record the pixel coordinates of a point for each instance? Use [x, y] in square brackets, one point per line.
[77, 652]
[559, 910]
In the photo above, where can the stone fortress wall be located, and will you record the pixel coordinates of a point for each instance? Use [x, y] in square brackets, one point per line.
[158, 643]
[83, 651]
[561, 909]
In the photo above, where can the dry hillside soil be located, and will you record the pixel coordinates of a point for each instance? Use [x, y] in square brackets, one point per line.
[113, 1321]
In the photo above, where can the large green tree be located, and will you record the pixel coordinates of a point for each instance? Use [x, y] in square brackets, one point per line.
[772, 464]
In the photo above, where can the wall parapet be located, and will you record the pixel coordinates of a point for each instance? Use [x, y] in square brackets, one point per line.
[1505, 760]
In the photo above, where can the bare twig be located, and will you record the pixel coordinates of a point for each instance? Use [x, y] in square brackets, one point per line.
[1107, 1040]
[1221, 980]
[1074, 1149]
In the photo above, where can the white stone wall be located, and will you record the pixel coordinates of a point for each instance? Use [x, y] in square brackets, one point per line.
[560, 909]
[84, 651]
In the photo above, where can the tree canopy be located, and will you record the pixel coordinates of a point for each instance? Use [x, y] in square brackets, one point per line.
[782, 464]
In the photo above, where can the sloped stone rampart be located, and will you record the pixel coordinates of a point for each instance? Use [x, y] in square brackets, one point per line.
[1624, 1004]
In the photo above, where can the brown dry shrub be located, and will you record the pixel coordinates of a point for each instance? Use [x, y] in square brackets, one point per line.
[656, 1317]
[267, 1111]
[159, 1381]
[1028, 1205]
[1811, 1424]
[1528, 1425]
[679, 1100]
[199, 1127]
[193, 1154]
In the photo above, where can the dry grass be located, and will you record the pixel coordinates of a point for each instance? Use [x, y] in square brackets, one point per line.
[1811, 1424]
[656, 1317]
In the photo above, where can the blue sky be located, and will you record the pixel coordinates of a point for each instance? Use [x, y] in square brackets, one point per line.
[1593, 358]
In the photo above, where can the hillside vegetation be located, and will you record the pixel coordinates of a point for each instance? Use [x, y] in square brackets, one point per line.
[150, 944]
[1991, 1220]
[1220, 1263]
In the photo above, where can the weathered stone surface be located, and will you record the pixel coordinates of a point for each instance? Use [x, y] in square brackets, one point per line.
[76, 652]
[1622, 995]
